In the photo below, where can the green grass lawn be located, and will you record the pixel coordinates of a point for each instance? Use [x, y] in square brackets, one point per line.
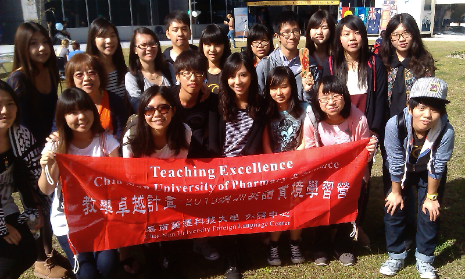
[450, 258]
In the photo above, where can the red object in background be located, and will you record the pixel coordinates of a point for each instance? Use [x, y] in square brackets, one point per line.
[116, 202]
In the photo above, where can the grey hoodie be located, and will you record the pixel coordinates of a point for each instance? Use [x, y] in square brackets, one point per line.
[397, 152]
[268, 63]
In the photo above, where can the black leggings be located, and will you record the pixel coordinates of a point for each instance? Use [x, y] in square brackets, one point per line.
[15, 259]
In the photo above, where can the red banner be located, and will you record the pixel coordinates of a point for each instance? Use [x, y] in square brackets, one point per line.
[116, 202]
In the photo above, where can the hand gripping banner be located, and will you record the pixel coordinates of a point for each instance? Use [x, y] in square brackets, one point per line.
[117, 202]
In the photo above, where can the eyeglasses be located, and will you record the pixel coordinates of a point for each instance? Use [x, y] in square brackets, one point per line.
[146, 46]
[287, 35]
[326, 98]
[396, 36]
[188, 74]
[260, 43]
[163, 109]
[89, 73]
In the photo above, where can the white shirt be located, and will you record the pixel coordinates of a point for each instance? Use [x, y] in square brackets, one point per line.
[353, 86]
[57, 217]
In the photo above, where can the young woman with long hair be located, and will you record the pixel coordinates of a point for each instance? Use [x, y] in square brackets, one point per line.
[19, 171]
[34, 78]
[259, 42]
[103, 42]
[321, 29]
[214, 45]
[146, 65]
[80, 133]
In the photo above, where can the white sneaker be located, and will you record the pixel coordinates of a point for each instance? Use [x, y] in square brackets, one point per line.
[426, 270]
[391, 267]
[202, 247]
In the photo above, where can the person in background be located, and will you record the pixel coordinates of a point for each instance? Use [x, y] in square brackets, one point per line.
[178, 31]
[259, 43]
[146, 65]
[230, 23]
[34, 78]
[76, 49]
[63, 50]
[103, 42]
[214, 45]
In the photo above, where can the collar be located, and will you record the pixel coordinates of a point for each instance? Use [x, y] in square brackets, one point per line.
[396, 63]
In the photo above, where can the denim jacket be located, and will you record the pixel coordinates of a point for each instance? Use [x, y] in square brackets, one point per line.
[398, 154]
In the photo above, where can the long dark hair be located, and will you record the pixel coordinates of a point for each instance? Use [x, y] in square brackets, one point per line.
[213, 34]
[340, 64]
[314, 22]
[142, 142]
[331, 84]
[134, 61]
[98, 27]
[276, 77]
[421, 61]
[256, 33]
[68, 101]
[21, 57]
[227, 103]
[7, 88]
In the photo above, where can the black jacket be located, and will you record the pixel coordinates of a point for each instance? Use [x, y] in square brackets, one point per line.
[376, 105]
[166, 53]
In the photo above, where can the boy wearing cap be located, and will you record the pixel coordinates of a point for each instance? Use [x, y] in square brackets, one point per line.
[419, 143]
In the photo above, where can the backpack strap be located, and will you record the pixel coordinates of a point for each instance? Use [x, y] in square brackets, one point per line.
[330, 65]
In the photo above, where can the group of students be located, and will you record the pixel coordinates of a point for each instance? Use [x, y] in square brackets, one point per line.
[206, 102]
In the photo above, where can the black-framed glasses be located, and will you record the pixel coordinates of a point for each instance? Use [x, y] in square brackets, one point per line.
[80, 75]
[396, 36]
[163, 109]
[287, 35]
[188, 74]
[147, 45]
[263, 43]
[325, 99]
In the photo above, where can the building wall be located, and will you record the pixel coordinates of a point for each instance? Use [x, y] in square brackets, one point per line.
[11, 16]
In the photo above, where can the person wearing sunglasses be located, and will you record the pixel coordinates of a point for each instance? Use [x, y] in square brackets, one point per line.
[259, 43]
[86, 72]
[287, 32]
[146, 65]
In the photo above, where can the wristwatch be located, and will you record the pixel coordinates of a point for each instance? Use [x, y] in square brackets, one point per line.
[432, 197]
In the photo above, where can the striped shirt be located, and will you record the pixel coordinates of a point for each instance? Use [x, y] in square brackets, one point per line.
[237, 133]
[119, 90]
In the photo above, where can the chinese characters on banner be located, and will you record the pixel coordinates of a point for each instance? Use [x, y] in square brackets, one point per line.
[116, 202]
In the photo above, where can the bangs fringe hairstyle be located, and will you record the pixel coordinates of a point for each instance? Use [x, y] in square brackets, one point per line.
[7, 88]
[313, 23]
[134, 61]
[331, 84]
[97, 28]
[435, 103]
[142, 143]
[421, 61]
[227, 100]
[274, 79]
[72, 99]
[82, 62]
[256, 33]
[22, 59]
[340, 64]
[214, 34]
[190, 60]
